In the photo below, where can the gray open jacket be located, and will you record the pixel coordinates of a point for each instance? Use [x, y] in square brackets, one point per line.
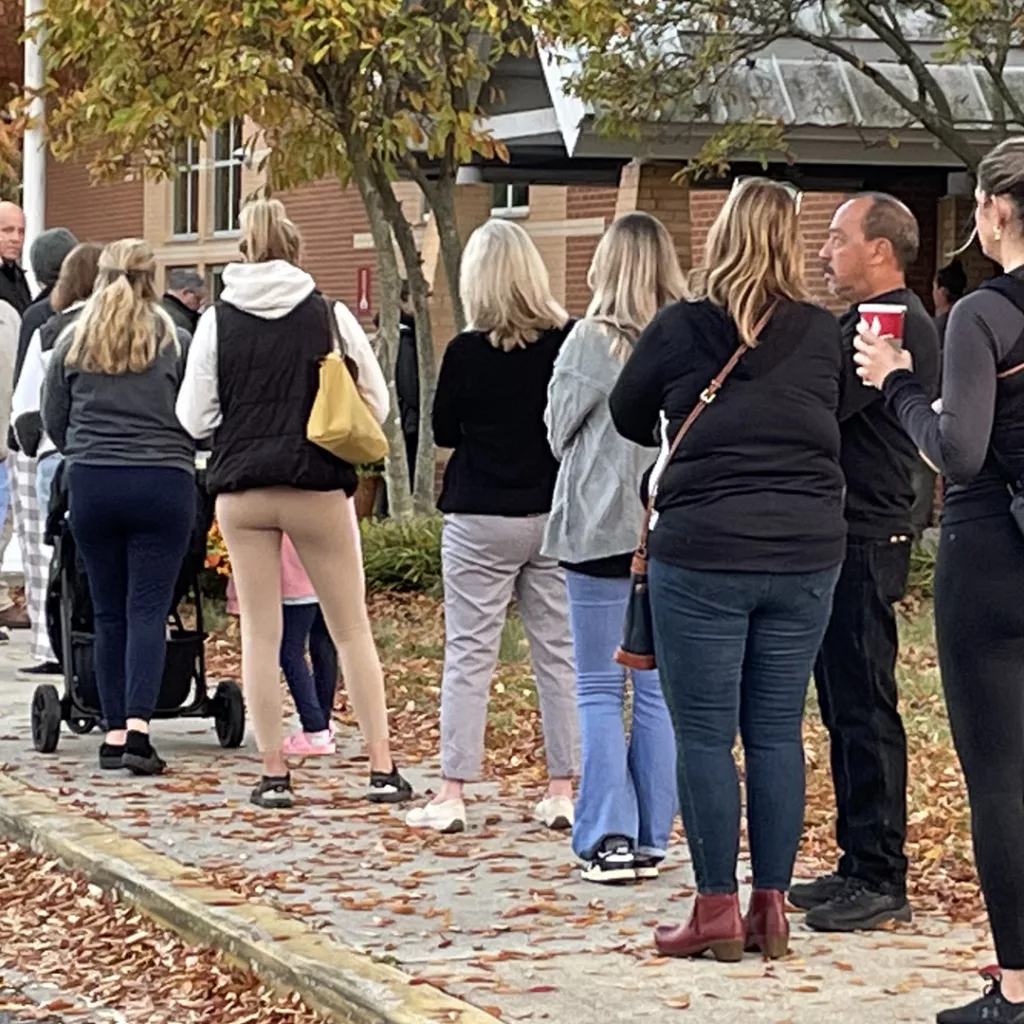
[596, 511]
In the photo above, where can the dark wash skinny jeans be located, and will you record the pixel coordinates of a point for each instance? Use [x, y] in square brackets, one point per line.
[735, 652]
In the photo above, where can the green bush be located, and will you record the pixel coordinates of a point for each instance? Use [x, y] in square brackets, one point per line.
[402, 554]
[922, 572]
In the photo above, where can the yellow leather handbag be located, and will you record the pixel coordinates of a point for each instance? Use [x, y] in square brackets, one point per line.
[340, 421]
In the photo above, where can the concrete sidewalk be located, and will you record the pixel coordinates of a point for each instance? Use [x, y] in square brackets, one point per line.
[497, 916]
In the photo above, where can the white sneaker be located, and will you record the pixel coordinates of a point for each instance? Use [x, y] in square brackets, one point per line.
[556, 812]
[446, 817]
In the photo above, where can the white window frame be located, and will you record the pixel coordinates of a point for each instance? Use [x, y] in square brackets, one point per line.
[192, 167]
[509, 209]
[219, 161]
[211, 278]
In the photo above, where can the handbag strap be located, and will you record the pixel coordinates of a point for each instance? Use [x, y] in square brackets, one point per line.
[707, 396]
[337, 342]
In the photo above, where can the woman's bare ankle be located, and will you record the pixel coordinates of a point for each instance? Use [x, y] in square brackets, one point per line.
[451, 789]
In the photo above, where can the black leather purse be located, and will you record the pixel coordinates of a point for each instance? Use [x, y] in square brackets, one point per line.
[637, 648]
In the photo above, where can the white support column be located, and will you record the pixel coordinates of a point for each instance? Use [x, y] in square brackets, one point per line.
[33, 172]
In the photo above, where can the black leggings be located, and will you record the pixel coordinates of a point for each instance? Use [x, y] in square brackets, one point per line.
[979, 617]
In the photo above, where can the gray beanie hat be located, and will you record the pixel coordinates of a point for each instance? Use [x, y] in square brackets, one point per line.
[48, 252]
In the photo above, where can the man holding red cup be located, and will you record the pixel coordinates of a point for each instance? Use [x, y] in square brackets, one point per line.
[872, 240]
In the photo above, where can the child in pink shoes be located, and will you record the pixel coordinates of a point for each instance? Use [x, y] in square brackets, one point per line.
[313, 692]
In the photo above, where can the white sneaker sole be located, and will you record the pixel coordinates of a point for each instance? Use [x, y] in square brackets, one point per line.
[618, 876]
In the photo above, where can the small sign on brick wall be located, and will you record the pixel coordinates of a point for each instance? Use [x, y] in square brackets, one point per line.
[364, 283]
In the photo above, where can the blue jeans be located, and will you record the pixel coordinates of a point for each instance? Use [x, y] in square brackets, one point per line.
[624, 790]
[5, 492]
[132, 525]
[46, 470]
[735, 651]
[313, 693]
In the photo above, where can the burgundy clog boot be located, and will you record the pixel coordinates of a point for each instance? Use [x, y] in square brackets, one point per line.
[767, 929]
[715, 926]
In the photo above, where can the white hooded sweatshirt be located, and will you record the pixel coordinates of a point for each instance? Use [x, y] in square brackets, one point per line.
[269, 290]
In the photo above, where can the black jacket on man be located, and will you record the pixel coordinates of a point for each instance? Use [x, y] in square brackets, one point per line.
[182, 316]
[14, 287]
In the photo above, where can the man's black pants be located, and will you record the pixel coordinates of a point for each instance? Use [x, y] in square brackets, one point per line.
[856, 681]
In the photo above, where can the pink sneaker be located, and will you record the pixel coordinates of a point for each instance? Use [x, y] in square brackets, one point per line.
[309, 744]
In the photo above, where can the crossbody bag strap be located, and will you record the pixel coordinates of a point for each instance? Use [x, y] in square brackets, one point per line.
[337, 342]
[707, 396]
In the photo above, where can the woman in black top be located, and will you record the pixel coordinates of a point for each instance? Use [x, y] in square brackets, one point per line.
[745, 550]
[489, 407]
[977, 442]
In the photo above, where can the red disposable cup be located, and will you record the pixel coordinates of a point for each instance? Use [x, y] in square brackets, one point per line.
[884, 319]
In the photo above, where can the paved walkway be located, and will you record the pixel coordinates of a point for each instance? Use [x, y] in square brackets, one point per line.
[496, 916]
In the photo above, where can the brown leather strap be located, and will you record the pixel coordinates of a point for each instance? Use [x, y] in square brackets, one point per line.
[707, 396]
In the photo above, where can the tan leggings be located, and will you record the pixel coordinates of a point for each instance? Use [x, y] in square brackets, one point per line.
[321, 525]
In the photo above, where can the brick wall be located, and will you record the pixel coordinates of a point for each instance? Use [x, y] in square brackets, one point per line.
[584, 202]
[329, 219]
[816, 211]
[95, 213]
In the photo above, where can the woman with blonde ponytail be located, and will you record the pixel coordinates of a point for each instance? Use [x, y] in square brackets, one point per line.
[108, 406]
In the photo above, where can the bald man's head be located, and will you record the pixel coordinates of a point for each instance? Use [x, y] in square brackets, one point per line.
[12, 232]
[872, 240]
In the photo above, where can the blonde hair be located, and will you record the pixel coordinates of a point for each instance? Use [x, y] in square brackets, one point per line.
[505, 286]
[122, 327]
[267, 233]
[754, 254]
[635, 271]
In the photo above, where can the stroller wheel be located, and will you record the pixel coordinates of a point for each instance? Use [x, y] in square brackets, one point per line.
[229, 714]
[46, 718]
[82, 726]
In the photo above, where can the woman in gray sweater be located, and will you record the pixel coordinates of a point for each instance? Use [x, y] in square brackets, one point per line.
[108, 405]
[627, 798]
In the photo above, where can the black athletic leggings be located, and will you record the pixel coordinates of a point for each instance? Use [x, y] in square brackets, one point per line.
[979, 617]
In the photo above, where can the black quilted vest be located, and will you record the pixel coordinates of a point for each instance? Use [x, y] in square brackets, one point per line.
[267, 379]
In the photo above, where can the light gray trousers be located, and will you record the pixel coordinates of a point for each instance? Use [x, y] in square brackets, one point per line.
[486, 561]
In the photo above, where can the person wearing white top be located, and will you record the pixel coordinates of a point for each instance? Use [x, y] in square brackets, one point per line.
[250, 381]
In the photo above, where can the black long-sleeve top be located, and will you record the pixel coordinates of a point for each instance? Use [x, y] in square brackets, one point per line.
[756, 485]
[878, 458]
[978, 407]
[489, 407]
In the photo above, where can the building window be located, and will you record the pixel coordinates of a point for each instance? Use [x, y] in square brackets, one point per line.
[215, 280]
[510, 199]
[228, 156]
[185, 203]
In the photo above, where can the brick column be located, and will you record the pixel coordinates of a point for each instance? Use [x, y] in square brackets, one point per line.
[472, 208]
[654, 189]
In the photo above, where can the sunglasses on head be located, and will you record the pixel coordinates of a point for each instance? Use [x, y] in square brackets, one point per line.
[794, 193]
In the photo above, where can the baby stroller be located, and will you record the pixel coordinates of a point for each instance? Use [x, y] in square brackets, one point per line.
[183, 692]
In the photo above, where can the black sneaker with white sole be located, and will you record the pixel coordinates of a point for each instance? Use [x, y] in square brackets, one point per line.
[388, 788]
[274, 792]
[613, 863]
[647, 865]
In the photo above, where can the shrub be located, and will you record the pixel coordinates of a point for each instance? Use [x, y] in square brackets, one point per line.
[402, 554]
[922, 572]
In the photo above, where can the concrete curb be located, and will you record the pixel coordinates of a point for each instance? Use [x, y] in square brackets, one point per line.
[334, 979]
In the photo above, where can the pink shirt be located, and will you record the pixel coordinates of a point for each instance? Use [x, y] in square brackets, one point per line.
[296, 587]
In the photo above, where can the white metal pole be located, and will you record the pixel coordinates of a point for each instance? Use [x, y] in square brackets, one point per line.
[33, 173]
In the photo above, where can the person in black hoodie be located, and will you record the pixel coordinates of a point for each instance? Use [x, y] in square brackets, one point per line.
[872, 241]
[977, 442]
[745, 548]
[407, 383]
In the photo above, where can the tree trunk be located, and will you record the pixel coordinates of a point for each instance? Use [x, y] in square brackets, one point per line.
[443, 206]
[419, 291]
[396, 470]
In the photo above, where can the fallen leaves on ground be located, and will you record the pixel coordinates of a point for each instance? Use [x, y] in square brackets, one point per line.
[410, 635]
[56, 928]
